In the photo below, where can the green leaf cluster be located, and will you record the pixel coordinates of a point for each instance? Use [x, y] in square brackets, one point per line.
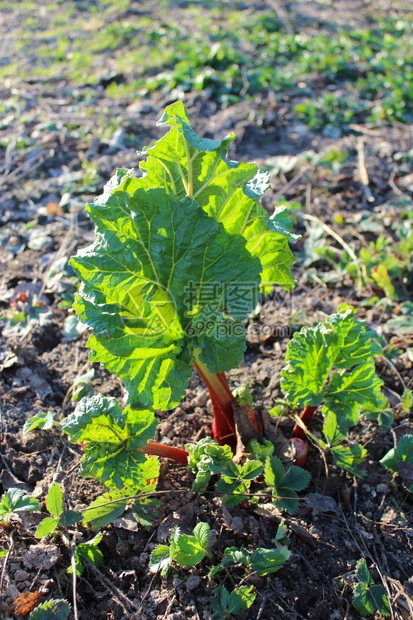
[184, 549]
[285, 484]
[260, 561]
[60, 518]
[368, 596]
[207, 458]
[332, 364]
[13, 501]
[236, 480]
[260, 451]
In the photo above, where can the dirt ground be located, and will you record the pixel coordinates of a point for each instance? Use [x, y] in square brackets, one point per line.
[341, 518]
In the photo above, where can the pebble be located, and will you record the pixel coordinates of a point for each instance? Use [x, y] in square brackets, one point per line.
[12, 592]
[21, 575]
[193, 582]
[200, 400]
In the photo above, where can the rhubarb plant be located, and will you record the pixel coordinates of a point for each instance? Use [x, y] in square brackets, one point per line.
[180, 258]
[332, 366]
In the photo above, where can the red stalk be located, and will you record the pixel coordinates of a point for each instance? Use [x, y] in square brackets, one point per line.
[305, 417]
[223, 427]
[168, 452]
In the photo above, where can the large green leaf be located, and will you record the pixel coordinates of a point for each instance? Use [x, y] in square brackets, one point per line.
[162, 279]
[112, 439]
[187, 165]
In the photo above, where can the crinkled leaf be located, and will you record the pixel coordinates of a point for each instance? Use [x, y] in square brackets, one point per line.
[206, 458]
[243, 395]
[17, 499]
[144, 510]
[160, 559]
[106, 508]
[46, 527]
[354, 345]
[310, 354]
[54, 500]
[160, 268]
[331, 429]
[379, 411]
[112, 437]
[187, 165]
[43, 420]
[265, 561]
[346, 393]
[112, 504]
[55, 609]
[260, 451]
[339, 342]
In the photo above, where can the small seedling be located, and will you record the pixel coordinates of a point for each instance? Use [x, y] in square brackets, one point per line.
[285, 484]
[260, 561]
[400, 459]
[184, 549]
[42, 421]
[87, 552]
[225, 603]
[82, 386]
[369, 597]
[348, 456]
[13, 501]
[61, 519]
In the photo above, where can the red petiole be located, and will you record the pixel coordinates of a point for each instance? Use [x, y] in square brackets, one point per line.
[169, 452]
